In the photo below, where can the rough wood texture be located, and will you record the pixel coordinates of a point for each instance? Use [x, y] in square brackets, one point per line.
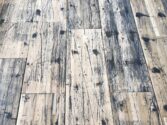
[11, 76]
[83, 62]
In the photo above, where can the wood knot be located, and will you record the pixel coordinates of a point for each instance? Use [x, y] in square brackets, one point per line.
[58, 60]
[156, 70]
[160, 14]
[38, 12]
[34, 35]
[95, 51]
[146, 39]
[62, 32]
[75, 52]
[2, 21]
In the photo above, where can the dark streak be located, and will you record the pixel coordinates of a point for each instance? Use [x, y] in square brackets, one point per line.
[165, 107]
[57, 122]
[139, 15]
[103, 122]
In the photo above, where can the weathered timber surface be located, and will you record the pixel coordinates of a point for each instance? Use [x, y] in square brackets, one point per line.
[11, 76]
[154, 46]
[83, 62]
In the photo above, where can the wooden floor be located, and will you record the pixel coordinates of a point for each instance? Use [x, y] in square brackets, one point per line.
[83, 62]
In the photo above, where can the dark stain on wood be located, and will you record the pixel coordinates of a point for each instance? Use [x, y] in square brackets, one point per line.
[165, 108]
[8, 115]
[34, 35]
[146, 39]
[38, 12]
[62, 32]
[103, 122]
[111, 33]
[160, 14]
[57, 60]
[76, 87]
[156, 70]
[57, 122]
[75, 52]
[2, 21]
[95, 51]
[99, 83]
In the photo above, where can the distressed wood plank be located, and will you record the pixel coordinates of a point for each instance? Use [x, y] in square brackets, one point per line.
[153, 44]
[14, 40]
[34, 10]
[35, 109]
[87, 93]
[135, 109]
[125, 61]
[46, 59]
[11, 77]
[83, 14]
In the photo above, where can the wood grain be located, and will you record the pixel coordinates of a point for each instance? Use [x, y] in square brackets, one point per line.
[11, 77]
[83, 62]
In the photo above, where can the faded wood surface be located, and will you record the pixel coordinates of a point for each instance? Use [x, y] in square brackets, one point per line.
[11, 76]
[83, 62]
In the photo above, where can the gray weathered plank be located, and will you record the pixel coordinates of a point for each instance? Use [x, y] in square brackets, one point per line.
[83, 14]
[46, 58]
[14, 40]
[87, 92]
[11, 77]
[125, 61]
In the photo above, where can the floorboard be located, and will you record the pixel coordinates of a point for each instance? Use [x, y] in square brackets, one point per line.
[83, 62]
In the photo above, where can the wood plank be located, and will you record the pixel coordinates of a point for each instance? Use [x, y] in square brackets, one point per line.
[125, 61]
[35, 109]
[157, 16]
[11, 77]
[152, 46]
[41, 10]
[14, 40]
[135, 109]
[33, 11]
[83, 14]
[46, 59]
[87, 92]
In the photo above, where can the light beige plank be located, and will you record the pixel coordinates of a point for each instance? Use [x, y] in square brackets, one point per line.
[46, 58]
[14, 40]
[87, 93]
[35, 109]
[33, 11]
[135, 109]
